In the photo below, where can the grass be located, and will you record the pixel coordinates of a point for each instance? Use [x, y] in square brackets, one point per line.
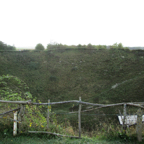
[101, 135]
[61, 75]
[64, 75]
[43, 140]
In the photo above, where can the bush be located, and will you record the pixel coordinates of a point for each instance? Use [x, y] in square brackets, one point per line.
[39, 47]
[4, 46]
[12, 88]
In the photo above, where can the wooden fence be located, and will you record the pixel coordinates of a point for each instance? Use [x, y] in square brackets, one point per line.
[22, 104]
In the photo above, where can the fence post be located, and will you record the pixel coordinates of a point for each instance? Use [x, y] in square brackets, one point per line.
[48, 113]
[15, 124]
[139, 125]
[20, 117]
[124, 120]
[79, 118]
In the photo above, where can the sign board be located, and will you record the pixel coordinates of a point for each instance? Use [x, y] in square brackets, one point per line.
[129, 119]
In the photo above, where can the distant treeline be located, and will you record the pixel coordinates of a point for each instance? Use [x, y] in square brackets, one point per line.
[89, 46]
[56, 46]
[4, 46]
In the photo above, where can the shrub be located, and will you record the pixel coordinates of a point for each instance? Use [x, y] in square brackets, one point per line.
[12, 88]
[4, 46]
[39, 47]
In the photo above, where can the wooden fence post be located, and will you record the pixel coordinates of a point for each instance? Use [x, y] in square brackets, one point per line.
[48, 113]
[15, 124]
[139, 125]
[20, 117]
[124, 120]
[79, 118]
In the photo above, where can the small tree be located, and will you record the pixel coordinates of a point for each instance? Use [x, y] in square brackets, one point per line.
[115, 45]
[6, 47]
[89, 46]
[39, 47]
[53, 45]
[120, 46]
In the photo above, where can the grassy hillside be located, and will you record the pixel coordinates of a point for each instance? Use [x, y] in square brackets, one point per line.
[68, 74]
[98, 76]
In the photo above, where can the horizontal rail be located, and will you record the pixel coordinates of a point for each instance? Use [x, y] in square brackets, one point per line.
[15, 102]
[12, 120]
[136, 104]
[71, 101]
[52, 103]
[9, 111]
[141, 103]
[53, 134]
[130, 104]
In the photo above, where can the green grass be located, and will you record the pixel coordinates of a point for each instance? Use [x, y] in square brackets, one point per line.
[61, 75]
[43, 140]
[67, 74]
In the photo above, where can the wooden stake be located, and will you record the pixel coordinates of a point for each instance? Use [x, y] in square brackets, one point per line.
[79, 118]
[139, 125]
[20, 117]
[15, 124]
[48, 113]
[124, 120]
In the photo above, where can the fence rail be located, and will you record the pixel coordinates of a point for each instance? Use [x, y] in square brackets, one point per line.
[136, 104]
[22, 104]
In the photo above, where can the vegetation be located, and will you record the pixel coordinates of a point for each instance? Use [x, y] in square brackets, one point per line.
[57, 46]
[39, 47]
[95, 73]
[4, 46]
[39, 139]
[12, 88]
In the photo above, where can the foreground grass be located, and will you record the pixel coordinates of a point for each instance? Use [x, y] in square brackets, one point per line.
[58, 140]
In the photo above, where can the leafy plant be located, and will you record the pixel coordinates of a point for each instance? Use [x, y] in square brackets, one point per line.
[12, 88]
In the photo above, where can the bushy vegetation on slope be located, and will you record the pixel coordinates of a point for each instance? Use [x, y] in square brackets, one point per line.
[68, 74]
[97, 75]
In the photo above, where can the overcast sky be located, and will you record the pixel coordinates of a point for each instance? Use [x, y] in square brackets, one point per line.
[24, 23]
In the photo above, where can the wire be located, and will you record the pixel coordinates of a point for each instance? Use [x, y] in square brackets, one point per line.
[85, 114]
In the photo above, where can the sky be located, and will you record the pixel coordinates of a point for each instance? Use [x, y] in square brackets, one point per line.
[25, 23]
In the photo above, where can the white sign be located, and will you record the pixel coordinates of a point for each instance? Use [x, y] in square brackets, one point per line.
[129, 119]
